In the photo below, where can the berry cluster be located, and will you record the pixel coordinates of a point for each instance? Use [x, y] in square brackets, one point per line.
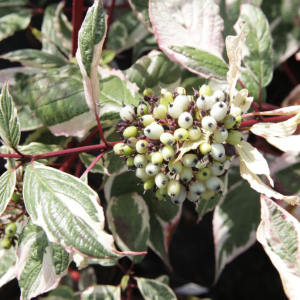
[154, 132]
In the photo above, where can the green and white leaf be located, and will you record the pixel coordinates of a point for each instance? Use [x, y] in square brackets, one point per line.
[68, 211]
[90, 41]
[7, 186]
[63, 28]
[9, 121]
[279, 232]
[40, 264]
[155, 70]
[35, 58]
[201, 62]
[176, 24]
[62, 292]
[125, 32]
[87, 159]
[12, 20]
[10, 3]
[7, 265]
[257, 50]
[147, 44]
[155, 290]
[234, 234]
[164, 217]
[141, 10]
[128, 219]
[99, 292]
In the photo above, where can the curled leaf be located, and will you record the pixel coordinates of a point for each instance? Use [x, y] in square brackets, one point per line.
[242, 100]
[289, 143]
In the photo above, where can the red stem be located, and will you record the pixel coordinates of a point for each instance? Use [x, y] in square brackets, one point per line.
[259, 97]
[268, 106]
[289, 73]
[101, 131]
[76, 22]
[78, 168]
[93, 163]
[272, 119]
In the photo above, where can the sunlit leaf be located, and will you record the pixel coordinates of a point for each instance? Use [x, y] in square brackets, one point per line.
[7, 265]
[7, 186]
[99, 292]
[140, 9]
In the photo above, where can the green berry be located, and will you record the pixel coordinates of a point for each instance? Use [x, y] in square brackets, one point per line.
[175, 167]
[148, 92]
[157, 158]
[180, 91]
[220, 135]
[141, 146]
[130, 131]
[234, 137]
[149, 184]
[118, 148]
[167, 139]
[141, 173]
[229, 121]
[190, 160]
[5, 243]
[10, 229]
[140, 161]
[205, 90]
[166, 98]
[126, 150]
[131, 142]
[173, 188]
[160, 111]
[161, 180]
[180, 197]
[186, 174]
[197, 187]
[238, 119]
[130, 162]
[194, 133]
[208, 194]
[142, 109]
[147, 120]
[213, 183]
[181, 134]
[205, 148]
[217, 151]
[168, 153]
[203, 174]
[16, 197]
[163, 192]
[158, 195]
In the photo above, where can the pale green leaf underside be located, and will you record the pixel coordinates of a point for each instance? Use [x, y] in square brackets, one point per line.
[99, 292]
[68, 211]
[140, 8]
[152, 289]
[202, 62]
[7, 260]
[259, 54]
[35, 58]
[14, 20]
[39, 261]
[128, 219]
[7, 186]
[9, 121]
[92, 32]
[87, 159]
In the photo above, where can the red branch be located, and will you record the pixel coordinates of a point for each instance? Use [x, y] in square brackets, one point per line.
[110, 14]
[76, 22]
[289, 73]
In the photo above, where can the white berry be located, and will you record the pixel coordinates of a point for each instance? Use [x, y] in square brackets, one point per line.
[126, 111]
[219, 111]
[209, 123]
[185, 120]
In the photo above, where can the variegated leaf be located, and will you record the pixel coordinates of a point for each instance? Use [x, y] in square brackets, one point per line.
[289, 143]
[90, 41]
[40, 264]
[7, 186]
[7, 265]
[99, 292]
[279, 232]
[242, 100]
[68, 211]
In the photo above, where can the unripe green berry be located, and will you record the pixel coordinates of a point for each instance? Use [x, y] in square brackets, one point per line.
[130, 162]
[149, 184]
[181, 134]
[213, 183]
[141, 146]
[203, 174]
[229, 121]
[160, 111]
[205, 148]
[180, 197]
[180, 90]
[186, 174]
[208, 195]
[173, 188]
[190, 160]
[142, 109]
[193, 197]
[163, 192]
[130, 131]
[10, 229]
[217, 151]
[157, 158]
[158, 195]
[197, 187]
[168, 153]
[16, 197]
[234, 137]
[141, 173]
[216, 168]
[166, 99]
[220, 135]
[175, 167]
[140, 161]
[161, 180]
[205, 90]
[131, 142]
[238, 120]
[126, 150]
[151, 169]
[167, 139]
[118, 148]
[149, 156]
[235, 111]
[147, 120]
[5, 243]
[194, 133]
[148, 92]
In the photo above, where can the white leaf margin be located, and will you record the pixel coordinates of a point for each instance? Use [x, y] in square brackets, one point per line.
[286, 270]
